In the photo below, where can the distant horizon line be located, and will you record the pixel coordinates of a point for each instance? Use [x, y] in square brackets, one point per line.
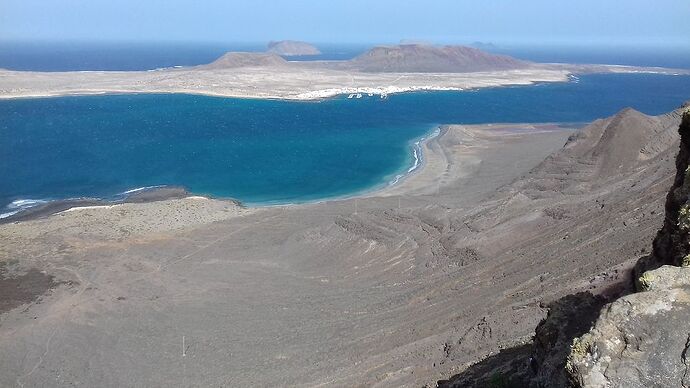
[264, 43]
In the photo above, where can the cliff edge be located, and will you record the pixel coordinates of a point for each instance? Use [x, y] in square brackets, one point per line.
[609, 335]
[642, 339]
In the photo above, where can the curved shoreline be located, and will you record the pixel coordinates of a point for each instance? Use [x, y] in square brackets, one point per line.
[418, 154]
[47, 207]
[400, 185]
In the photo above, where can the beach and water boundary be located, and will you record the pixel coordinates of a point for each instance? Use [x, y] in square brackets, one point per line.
[491, 105]
[26, 209]
[400, 184]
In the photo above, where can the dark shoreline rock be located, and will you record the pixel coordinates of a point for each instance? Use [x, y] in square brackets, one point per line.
[141, 196]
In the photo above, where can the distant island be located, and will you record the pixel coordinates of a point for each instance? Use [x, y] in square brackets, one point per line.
[382, 70]
[290, 48]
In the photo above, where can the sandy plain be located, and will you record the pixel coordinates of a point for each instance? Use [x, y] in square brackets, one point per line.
[290, 82]
[344, 292]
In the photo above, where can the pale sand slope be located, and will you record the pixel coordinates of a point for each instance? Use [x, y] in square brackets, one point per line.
[396, 289]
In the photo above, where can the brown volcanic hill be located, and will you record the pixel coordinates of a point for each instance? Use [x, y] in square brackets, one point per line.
[292, 48]
[241, 59]
[433, 59]
[587, 212]
[605, 149]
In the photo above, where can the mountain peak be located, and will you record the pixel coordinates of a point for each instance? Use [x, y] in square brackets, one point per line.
[433, 59]
[246, 59]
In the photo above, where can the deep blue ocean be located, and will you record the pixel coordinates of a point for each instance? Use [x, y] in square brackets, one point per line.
[66, 56]
[72, 56]
[266, 151]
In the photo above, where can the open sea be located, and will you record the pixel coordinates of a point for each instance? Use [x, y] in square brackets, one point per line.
[265, 151]
[76, 56]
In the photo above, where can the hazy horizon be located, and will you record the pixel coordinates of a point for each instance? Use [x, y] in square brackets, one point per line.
[355, 22]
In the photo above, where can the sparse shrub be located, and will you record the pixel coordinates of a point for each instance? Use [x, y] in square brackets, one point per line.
[684, 218]
[581, 349]
[645, 281]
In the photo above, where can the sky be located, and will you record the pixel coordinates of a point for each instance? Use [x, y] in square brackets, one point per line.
[617, 22]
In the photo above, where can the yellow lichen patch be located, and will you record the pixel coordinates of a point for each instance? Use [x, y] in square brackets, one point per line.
[645, 281]
[684, 217]
[686, 261]
[580, 350]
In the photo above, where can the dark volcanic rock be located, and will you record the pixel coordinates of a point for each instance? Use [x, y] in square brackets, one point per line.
[19, 289]
[541, 364]
[569, 317]
[672, 243]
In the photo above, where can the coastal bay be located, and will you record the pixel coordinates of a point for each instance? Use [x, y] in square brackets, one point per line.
[414, 276]
[309, 267]
[235, 148]
[304, 286]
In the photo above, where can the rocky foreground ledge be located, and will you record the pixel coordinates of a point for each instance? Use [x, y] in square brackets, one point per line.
[633, 337]
[642, 339]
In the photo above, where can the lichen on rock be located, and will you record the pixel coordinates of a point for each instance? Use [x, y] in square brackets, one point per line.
[636, 342]
[642, 339]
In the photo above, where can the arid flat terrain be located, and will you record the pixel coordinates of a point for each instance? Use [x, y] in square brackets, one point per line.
[286, 82]
[401, 287]
[380, 71]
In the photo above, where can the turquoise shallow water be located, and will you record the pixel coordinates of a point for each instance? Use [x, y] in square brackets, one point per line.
[261, 151]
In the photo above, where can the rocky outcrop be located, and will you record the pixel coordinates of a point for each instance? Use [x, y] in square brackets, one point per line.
[569, 317]
[643, 339]
[292, 48]
[662, 278]
[672, 243]
[640, 340]
[602, 195]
